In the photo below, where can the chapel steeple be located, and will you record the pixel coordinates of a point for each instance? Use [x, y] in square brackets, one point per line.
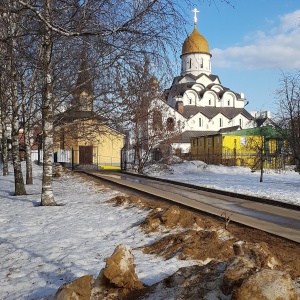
[195, 55]
[83, 95]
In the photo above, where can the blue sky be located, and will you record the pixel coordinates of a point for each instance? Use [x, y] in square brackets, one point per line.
[251, 43]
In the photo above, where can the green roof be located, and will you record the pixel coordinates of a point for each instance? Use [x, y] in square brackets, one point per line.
[267, 131]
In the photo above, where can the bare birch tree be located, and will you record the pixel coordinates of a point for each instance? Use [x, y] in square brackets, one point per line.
[11, 33]
[288, 113]
[116, 33]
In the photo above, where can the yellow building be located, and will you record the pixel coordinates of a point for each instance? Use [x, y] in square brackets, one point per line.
[246, 147]
[81, 137]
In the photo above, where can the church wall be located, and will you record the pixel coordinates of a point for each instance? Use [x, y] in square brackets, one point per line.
[228, 100]
[209, 98]
[198, 122]
[183, 148]
[195, 63]
[240, 103]
[242, 121]
[186, 79]
[166, 113]
[204, 80]
[190, 97]
[106, 143]
[198, 87]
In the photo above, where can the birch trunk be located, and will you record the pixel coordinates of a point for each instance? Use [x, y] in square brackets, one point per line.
[29, 179]
[47, 198]
[15, 108]
[4, 151]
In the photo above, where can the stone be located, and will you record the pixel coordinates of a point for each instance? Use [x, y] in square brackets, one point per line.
[238, 248]
[120, 269]
[237, 270]
[80, 288]
[118, 278]
[267, 285]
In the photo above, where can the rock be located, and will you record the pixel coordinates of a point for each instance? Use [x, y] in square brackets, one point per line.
[78, 289]
[118, 277]
[238, 248]
[120, 269]
[262, 256]
[294, 267]
[267, 285]
[238, 269]
[57, 170]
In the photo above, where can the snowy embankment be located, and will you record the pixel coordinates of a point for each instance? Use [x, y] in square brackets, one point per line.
[282, 186]
[43, 247]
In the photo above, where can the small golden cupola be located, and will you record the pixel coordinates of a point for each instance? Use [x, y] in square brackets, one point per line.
[195, 55]
[195, 43]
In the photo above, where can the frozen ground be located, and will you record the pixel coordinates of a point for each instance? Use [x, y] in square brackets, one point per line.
[283, 186]
[43, 247]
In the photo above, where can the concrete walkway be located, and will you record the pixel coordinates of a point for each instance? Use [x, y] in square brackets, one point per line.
[273, 219]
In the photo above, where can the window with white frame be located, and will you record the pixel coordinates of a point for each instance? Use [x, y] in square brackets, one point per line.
[200, 122]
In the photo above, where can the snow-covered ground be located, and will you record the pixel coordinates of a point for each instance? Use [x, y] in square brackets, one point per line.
[43, 247]
[282, 186]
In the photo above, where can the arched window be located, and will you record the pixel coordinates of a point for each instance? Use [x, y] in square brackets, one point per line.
[157, 120]
[170, 124]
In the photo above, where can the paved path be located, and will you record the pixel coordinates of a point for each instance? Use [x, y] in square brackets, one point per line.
[276, 220]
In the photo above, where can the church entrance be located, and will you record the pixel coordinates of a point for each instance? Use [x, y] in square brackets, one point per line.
[85, 155]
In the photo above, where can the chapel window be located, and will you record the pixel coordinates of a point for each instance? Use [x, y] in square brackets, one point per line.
[170, 124]
[157, 120]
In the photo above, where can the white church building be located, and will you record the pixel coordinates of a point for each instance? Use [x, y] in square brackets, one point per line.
[197, 100]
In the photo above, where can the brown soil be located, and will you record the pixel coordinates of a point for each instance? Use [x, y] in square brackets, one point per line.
[201, 237]
[195, 235]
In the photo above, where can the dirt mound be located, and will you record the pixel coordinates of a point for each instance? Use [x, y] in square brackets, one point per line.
[195, 282]
[165, 218]
[192, 244]
[173, 217]
[130, 201]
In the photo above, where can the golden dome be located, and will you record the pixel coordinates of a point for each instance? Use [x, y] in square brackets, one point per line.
[195, 43]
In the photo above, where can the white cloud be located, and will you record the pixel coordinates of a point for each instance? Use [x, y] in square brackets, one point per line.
[277, 49]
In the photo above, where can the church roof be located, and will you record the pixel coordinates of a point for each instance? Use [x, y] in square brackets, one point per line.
[264, 121]
[180, 88]
[195, 43]
[84, 82]
[210, 111]
[72, 115]
[185, 136]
